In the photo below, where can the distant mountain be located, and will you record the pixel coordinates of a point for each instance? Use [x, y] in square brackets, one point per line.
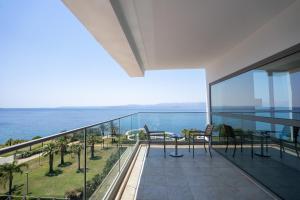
[176, 106]
[200, 106]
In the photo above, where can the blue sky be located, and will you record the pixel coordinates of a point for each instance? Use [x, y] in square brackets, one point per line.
[48, 59]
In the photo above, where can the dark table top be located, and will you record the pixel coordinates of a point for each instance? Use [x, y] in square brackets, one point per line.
[176, 135]
[262, 133]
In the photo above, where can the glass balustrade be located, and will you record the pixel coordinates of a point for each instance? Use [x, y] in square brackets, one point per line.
[88, 162]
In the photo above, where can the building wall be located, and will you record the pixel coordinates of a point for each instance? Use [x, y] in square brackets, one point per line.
[279, 34]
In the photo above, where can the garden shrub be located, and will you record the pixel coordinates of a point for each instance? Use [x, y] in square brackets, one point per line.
[74, 194]
[27, 154]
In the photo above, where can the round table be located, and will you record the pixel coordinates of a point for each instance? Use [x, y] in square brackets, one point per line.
[264, 136]
[176, 136]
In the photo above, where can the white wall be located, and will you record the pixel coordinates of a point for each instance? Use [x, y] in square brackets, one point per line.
[280, 33]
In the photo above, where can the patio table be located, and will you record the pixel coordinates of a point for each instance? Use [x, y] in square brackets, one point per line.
[264, 136]
[176, 136]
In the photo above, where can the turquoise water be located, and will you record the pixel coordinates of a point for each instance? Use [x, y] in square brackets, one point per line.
[27, 123]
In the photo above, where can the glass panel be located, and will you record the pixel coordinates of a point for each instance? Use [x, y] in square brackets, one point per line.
[269, 91]
[239, 99]
[101, 157]
[128, 139]
[261, 105]
[275, 158]
[120, 149]
[109, 147]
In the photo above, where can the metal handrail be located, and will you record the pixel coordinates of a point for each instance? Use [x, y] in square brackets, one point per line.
[50, 137]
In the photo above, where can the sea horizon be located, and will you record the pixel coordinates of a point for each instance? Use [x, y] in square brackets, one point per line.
[26, 123]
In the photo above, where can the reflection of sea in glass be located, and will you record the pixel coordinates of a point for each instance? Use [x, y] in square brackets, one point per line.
[268, 91]
[172, 122]
[276, 130]
[263, 126]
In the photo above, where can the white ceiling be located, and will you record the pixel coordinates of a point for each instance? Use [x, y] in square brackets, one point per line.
[166, 34]
[189, 33]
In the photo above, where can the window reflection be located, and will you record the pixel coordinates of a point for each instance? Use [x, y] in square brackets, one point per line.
[271, 90]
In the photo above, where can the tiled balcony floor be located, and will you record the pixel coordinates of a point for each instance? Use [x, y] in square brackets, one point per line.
[203, 177]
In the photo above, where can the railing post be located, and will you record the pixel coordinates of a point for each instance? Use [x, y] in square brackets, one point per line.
[131, 122]
[84, 179]
[119, 145]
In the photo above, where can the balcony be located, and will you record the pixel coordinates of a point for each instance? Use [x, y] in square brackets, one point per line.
[200, 177]
[108, 160]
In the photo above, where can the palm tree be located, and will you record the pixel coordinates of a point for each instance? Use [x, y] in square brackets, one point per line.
[7, 172]
[186, 134]
[141, 135]
[9, 142]
[103, 128]
[76, 148]
[92, 140]
[50, 149]
[114, 130]
[62, 144]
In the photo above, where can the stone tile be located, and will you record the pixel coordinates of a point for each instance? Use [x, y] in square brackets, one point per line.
[213, 193]
[155, 192]
[153, 180]
[246, 192]
[199, 178]
[180, 192]
[176, 180]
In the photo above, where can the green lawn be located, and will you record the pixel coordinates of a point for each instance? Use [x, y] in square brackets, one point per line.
[56, 186]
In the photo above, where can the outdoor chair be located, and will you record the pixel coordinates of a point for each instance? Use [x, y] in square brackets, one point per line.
[150, 134]
[296, 131]
[206, 136]
[230, 135]
[291, 144]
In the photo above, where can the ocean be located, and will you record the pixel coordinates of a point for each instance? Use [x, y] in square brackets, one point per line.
[27, 123]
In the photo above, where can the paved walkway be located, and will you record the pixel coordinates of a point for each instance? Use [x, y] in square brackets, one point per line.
[191, 179]
[8, 159]
[23, 160]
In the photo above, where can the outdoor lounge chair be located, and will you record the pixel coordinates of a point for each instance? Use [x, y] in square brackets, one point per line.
[206, 136]
[153, 134]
